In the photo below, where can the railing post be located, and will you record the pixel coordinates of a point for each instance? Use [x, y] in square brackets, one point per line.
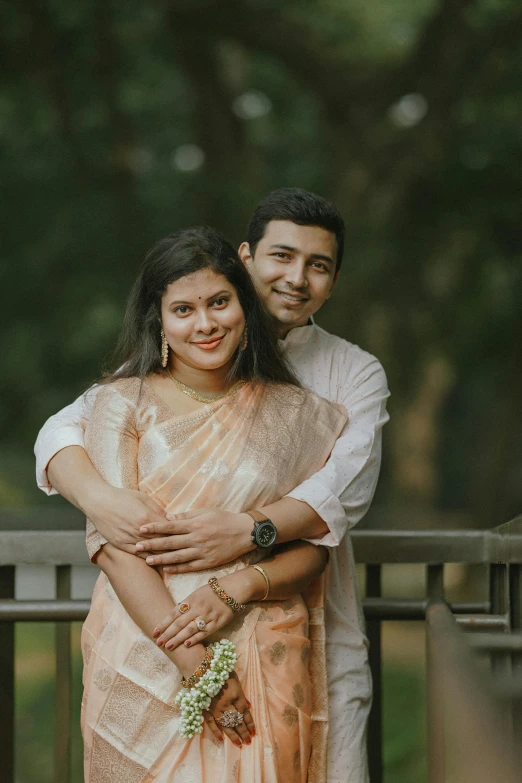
[373, 629]
[435, 697]
[498, 590]
[515, 593]
[7, 681]
[500, 604]
[435, 582]
[62, 737]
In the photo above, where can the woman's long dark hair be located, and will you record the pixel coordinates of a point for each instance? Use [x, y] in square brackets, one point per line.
[139, 349]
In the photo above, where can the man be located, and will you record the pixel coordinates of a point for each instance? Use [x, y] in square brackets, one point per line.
[294, 253]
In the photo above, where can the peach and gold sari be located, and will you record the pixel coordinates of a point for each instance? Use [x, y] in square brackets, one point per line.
[244, 451]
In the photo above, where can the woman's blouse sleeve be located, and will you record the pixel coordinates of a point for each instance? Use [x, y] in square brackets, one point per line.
[111, 441]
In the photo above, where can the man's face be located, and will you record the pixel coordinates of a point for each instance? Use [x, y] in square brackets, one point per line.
[293, 269]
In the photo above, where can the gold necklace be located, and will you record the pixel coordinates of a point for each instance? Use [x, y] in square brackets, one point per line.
[204, 397]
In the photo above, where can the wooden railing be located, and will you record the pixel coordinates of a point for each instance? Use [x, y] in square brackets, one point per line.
[498, 618]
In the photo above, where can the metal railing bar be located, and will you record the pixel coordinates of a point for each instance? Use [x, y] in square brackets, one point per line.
[491, 642]
[37, 611]
[435, 581]
[391, 609]
[374, 632]
[515, 593]
[48, 547]
[500, 604]
[500, 545]
[436, 740]
[7, 678]
[515, 603]
[473, 718]
[435, 701]
[498, 592]
[62, 735]
[490, 622]
[385, 609]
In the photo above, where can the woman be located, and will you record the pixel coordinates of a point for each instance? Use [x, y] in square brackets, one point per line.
[204, 413]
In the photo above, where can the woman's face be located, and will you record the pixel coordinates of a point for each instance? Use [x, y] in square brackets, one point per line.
[202, 320]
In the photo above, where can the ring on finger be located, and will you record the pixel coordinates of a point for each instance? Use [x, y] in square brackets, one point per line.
[183, 607]
[230, 719]
[200, 623]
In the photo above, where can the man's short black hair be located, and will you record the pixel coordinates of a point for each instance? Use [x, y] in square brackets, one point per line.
[298, 206]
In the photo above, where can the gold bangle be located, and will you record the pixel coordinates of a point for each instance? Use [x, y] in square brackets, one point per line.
[267, 580]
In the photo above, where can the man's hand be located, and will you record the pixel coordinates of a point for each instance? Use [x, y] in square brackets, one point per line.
[196, 540]
[118, 514]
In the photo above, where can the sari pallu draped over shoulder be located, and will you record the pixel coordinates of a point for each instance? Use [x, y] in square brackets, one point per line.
[244, 451]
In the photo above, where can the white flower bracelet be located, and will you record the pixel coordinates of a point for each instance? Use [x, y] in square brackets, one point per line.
[193, 701]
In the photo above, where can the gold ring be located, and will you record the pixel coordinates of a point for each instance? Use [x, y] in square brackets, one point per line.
[184, 607]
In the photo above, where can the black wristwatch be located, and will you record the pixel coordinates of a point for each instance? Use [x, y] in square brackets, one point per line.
[264, 533]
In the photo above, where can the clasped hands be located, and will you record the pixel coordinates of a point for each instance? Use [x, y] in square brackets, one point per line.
[195, 540]
[181, 543]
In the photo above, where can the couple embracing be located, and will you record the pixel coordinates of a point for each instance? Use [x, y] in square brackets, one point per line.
[220, 468]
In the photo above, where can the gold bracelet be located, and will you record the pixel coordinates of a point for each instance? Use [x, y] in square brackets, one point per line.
[200, 671]
[216, 587]
[267, 580]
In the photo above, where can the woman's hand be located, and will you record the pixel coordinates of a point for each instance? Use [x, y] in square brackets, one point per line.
[231, 697]
[179, 628]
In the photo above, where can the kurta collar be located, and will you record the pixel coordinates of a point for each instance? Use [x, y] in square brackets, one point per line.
[299, 335]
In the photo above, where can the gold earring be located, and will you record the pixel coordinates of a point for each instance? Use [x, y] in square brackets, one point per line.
[244, 341]
[164, 349]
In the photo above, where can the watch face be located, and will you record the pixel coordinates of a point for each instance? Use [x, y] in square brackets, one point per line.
[266, 534]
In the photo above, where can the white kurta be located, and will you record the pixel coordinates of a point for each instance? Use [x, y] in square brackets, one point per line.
[341, 494]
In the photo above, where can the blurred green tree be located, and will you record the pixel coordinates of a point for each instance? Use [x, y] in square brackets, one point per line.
[123, 122]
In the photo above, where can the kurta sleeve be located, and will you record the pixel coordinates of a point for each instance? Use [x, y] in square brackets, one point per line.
[65, 428]
[341, 492]
[111, 441]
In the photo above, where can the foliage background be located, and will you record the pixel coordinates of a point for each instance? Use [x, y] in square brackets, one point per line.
[121, 122]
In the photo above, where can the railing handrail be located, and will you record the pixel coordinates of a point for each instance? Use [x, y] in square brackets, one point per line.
[502, 544]
[463, 708]
[37, 547]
